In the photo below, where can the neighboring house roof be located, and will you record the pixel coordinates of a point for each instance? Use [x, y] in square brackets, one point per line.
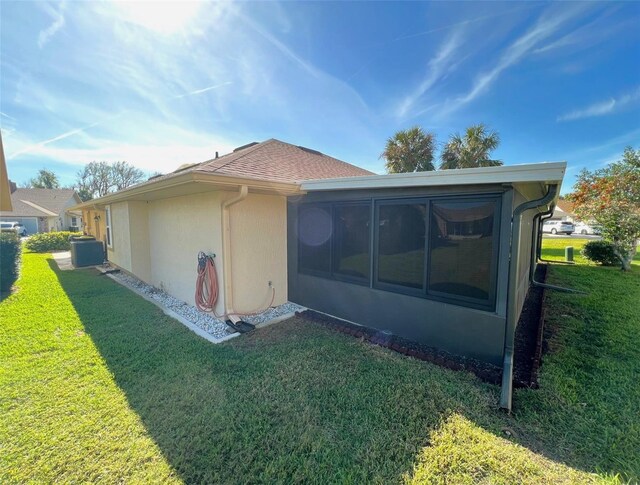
[39, 202]
[565, 206]
[5, 186]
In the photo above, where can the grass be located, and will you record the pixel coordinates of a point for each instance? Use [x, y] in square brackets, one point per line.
[96, 384]
[553, 248]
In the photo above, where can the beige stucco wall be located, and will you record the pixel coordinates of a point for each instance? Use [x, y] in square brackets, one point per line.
[158, 241]
[90, 226]
[120, 250]
[139, 238]
[258, 250]
[179, 228]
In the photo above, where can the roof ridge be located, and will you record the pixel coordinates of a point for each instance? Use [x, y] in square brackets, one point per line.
[244, 153]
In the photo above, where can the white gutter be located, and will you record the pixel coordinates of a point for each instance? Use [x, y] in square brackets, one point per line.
[223, 181]
[226, 248]
[546, 172]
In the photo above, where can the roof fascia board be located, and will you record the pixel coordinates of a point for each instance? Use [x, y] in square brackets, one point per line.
[535, 172]
[220, 180]
[135, 191]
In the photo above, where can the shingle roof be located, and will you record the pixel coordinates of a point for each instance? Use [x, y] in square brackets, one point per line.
[270, 161]
[25, 200]
[278, 161]
[565, 206]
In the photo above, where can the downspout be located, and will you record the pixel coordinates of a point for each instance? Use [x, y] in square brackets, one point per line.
[543, 217]
[226, 247]
[536, 252]
[512, 314]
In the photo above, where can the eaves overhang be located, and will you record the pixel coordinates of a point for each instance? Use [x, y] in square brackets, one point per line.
[543, 173]
[191, 182]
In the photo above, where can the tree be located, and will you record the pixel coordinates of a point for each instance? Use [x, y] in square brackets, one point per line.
[471, 150]
[46, 179]
[409, 151]
[125, 175]
[98, 179]
[611, 197]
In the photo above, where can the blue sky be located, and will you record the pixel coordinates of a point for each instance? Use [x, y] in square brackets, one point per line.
[159, 85]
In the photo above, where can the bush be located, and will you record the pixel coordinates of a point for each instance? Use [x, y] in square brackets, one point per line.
[10, 251]
[600, 252]
[50, 241]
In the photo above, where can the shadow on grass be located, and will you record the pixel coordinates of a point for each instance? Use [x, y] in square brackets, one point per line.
[297, 402]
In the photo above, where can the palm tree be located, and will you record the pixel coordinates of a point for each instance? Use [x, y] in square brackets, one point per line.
[410, 151]
[472, 150]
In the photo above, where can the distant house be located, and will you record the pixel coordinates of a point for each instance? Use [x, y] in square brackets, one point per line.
[43, 210]
[5, 190]
[563, 211]
[443, 258]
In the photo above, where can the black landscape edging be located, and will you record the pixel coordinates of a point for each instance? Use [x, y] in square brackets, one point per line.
[528, 344]
[484, 371]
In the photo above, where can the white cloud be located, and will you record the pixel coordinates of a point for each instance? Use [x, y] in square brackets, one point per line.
[111, 66]
[47, 34]
[437, 68]
[602, 108]
[203, 90]
[547, 25]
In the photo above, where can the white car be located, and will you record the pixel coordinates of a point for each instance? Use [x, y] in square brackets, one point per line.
[558, 227]
[584, 228]
[16, 227]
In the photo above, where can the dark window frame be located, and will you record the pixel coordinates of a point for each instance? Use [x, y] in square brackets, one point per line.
[424, 292]
[308, 271]
[332, 274]
[393, 287]
[480, 304]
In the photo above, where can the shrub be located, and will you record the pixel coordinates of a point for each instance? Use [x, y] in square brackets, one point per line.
[10, 251]
[50, 241]
[600, 252]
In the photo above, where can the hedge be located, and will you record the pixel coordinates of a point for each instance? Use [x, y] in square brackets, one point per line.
[10, 251]
[50, 241]
[600, 252]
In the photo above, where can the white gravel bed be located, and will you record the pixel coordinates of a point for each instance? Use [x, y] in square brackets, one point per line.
[207, 322]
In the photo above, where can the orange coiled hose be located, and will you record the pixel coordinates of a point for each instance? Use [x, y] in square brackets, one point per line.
[207, 289]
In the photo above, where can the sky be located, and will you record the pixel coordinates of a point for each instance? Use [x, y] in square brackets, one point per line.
[160, 84]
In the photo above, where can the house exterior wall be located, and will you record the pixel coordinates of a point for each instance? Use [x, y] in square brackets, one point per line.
[120, 250]
[66, 216]
[159, 241]
[90, 226]
[458, 329]
[179, 228]
[259, 250]
[524, 251]
[139, 239]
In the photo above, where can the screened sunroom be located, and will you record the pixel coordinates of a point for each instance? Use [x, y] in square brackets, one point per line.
[436, 257]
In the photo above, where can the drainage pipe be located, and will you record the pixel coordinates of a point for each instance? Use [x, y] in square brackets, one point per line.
[536, 242]
[512, 312]
[226, 248]
[543, 217]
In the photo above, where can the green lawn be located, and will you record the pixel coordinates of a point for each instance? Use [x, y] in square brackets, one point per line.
[96, 384]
